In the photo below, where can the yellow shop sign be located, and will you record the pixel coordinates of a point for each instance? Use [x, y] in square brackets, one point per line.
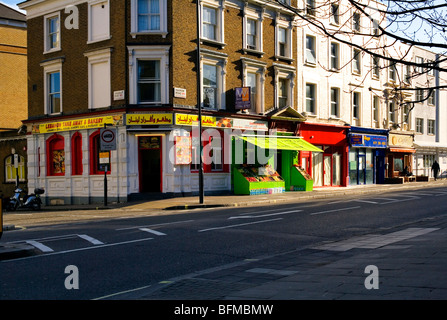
[77, 124]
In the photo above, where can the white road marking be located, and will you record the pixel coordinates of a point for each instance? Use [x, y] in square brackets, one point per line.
[122, 292]
[366, 201]
[335, 210]
[264, 215]
[154, 225]
[90, 239]
[158, 233]
[79, 249]
[238, 225]
[39, 246]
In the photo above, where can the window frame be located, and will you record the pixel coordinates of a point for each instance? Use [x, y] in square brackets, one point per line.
[52, 146]
[356, 107]
[356, 22]
[419, 125]
[94, 149]
[10, 169]
[335, 14]
[98, 57]
[431, 129]
[47, 42]
[220, 62]
[356, 60]
[312, 51]
[107, 36]
[257, 17]
[50, 67]
[375, 109]
[259, 68]
[161, 53]
[288, 42]
[391, 112]
[76, 154]
[334, 58]
[219, 7]
[335, 103]
[287, 74]
[311, 100]
[134, 28]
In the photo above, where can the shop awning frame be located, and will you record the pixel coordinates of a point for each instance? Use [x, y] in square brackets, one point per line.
[280, 143]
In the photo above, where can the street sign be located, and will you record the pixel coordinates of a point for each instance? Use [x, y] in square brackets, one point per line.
[104, 160]
[16, 160]
[108, 139]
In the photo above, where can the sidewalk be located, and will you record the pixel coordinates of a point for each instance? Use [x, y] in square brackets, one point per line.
[75, 213]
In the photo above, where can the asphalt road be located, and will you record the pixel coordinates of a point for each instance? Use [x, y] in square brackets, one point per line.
[110, 258]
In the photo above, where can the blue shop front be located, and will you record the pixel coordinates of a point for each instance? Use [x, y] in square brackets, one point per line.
[367, 150]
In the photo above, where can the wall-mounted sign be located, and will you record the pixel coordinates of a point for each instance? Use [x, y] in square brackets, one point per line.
[368, 141]
[119, 95]
[242, 98]
[221, 122]
[78, 124]
[183, 150]
[179, 93]
[148, 119]
[401, 140]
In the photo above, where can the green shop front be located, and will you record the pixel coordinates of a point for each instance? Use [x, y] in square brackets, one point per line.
[269, 164]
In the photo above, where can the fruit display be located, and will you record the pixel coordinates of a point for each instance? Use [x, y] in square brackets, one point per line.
[259, 174]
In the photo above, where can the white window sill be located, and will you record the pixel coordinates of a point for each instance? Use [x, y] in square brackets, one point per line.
[288, 59]
[99, 40]
[212, 42]
[149, 33]
[254, 51]
[52, 50]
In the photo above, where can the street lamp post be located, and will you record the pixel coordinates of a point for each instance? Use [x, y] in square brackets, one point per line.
[199, 103]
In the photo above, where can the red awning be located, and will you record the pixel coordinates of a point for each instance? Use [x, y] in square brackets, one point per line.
[403, 150]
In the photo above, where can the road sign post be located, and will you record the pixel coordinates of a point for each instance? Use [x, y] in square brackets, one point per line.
[107, 144]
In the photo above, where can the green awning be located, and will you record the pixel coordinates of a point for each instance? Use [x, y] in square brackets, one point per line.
[281, 143]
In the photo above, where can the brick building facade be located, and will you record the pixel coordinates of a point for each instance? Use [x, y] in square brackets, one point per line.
[132, 65]
[13, 99]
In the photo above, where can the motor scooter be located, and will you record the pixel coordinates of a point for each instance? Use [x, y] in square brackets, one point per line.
[31, 201]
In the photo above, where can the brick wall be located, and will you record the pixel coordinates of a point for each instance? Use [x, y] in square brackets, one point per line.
[13, 93]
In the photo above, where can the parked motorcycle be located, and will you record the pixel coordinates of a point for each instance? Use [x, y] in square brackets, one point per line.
[31, 201]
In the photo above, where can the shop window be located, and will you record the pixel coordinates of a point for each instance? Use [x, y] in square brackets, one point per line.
[76, 154]
[213, 152]
[56, 156]
[95, 152]
[11, 171]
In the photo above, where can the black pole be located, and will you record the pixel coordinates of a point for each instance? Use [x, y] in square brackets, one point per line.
[105, 185]
[199, 104]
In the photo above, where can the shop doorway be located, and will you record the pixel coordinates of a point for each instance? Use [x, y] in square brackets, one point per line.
[150, 164]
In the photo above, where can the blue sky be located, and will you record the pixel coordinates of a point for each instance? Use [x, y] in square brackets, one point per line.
[12, 3]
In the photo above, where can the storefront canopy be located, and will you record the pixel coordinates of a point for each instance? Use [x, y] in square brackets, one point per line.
[281, 143]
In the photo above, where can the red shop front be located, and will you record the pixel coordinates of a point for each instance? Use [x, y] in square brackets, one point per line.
[329, 168]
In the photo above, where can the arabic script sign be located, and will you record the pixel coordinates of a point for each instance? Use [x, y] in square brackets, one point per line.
[148, 119]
